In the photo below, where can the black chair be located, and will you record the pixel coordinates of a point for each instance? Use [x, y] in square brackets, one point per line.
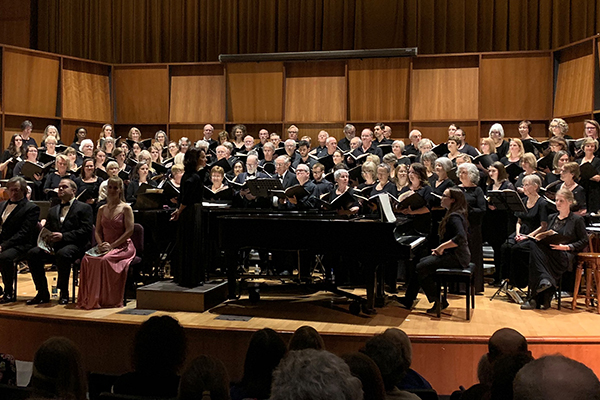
[466, 276]
[76, 266]
[14, 392]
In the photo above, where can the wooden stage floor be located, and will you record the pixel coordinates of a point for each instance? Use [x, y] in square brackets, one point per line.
[224, 330]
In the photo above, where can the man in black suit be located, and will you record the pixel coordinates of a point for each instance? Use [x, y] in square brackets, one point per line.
[71, 225]
[18, 233]
[349, 133]
[287, 178]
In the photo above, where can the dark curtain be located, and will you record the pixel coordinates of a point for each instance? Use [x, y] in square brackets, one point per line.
[150, 31]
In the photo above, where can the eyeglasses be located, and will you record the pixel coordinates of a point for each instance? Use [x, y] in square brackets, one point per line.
[63, 187]
[445, 195]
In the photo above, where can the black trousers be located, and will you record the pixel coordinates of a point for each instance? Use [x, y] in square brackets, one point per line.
[425, 276]
[63, 258]
[7, 267]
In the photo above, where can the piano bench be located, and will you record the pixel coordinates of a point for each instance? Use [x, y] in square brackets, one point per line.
[446, 275]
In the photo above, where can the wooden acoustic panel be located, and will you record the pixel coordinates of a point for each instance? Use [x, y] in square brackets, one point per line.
[141, 95]
[67, 133]
[12, 125]
[378, 89]
[438, 131]
[575, 81]
[315, 91]
[31, 84]
[515, 87]
[86, 91]
[254, 92]
[445, 89]
[197, 94]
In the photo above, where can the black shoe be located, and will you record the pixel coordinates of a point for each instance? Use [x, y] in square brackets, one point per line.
[405, 302]
[7, 298]
[544, 285]
[63, 300]
[38, 300]
[547, 302]
[1, 291]
[434, 308]
[529, 305]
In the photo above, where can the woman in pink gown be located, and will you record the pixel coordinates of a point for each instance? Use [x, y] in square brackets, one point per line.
[102, 279]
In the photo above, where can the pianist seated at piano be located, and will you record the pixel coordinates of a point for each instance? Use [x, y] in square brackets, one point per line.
[61, 171]
[342, 179]
[140, 176]
[88, 182]
[549, 259]
[307, 201]
[453, 252]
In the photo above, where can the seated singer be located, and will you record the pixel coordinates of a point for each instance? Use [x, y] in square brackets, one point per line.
[452, 253]
[548, 262]
[103, 278]
[71, 225]
[18, 233]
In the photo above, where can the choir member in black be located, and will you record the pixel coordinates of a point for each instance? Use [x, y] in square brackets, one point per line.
[156, 153]
[74, 158]
[263, 137]
[515, 252]
[26, 128]
[321, 149]
[497, 223]
[184, 144]
[366, 137]
[556, 144]
[398, 148]
[439, 183]
[322, 185]
[18, 217]
[561, 157]
[89, 182]
[496, 133]
[569, 176]
[99, 159]
[236, 170]
[303, 157]
[61, 171]
[50, 130]
[31, 154]
[105, 133]
[369, 174]
[175, 180]
[462, 158]
[525, 132]
[548, 262]
[248, 145]
[172, 149]
[425, 145]
[349, 133]
[112, 170]
[529, 165]
[421, 218]
[71, 225]
[413, 147]
[591, 185]
[469, 177]
[487, 146]
[282, 169]
[290, 149]
[391, 160]
[514, 154]
[463, 146]
[338, 158]
[428, 161]
[217, 178]
[243, 198]
[401, 177]
[384, 185]
[591, 129]
[50, 146]
[207, 133]
[140, 176]
[307, 202]
[87, 148]
[11, 156]
[238, 133]
[119, 155]
[108, 145]
[453, 152]
[187, 256]
[136, 149]
[268, 154]
[341, 179]
[453, 252]
[80, 135]
[559, 128]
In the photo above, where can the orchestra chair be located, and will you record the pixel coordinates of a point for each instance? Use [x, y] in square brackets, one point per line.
[588, 263]
[76, 266]
[136, 265]
[448, 275]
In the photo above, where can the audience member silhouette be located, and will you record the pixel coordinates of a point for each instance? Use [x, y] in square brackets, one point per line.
[204, 377]
[306, 337]
[367, 371]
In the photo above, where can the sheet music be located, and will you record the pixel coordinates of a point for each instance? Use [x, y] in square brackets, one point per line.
[386, 208]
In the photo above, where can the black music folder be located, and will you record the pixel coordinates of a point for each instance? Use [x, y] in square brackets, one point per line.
[223, 163]
[297, 190]
[225, 194]
[326, 160]
[513, 170]
[124, 175]
[30, 169]
[414, 201]
[85, 195]
[484, 159]
[441, 149]
[385, 148]
[159, 168]
[587, 171]
[506, 200]
[144, 144]
[342, 202]
[541, 146]
[45, 158]
[101, 174]
[546, 161]
[268, 168]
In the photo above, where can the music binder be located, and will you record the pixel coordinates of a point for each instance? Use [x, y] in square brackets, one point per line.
[413, 200]
[225, 194]
[484, 159]
[587, 171]
[546, 161]
[441, 149]
[506, 200]
[29, 169]
[513, 170]
[342, 202]
[297, 191]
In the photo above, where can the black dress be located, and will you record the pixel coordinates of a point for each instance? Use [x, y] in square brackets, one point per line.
[580, 198]
[477, 207]
[420, 223]
[387, 188]
[497, 225]
[515, 255]
[502, 150]
[8, 172]
[546, 263]
[592, 189]
[437, 212]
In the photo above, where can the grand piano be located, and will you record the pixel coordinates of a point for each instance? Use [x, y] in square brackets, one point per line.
[368, 241]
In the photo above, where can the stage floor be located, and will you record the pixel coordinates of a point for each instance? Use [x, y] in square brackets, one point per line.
[439, 345]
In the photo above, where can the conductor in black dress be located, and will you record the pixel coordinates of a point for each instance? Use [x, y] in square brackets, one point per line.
[18, 233]
[71, 224]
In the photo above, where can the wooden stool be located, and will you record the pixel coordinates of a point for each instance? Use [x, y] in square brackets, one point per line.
[590, 261]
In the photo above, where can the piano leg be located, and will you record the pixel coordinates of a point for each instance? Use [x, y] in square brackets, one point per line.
[231, 265]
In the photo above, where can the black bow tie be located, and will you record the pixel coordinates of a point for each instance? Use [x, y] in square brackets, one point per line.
[63, 205]
[13, 202]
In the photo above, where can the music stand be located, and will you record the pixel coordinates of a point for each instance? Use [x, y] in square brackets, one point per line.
[263, 187]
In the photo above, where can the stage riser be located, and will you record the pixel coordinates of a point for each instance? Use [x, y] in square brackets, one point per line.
[445, 362]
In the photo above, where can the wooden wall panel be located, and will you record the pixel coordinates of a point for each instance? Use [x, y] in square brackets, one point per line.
[31, 84]
[15, 22]
[12, 125]
[378, 89]
[255, 92]
[197, 94]
[445, 89]
[516, 87]
[86, 91]
[141, 95]
[438, 131]
[575, 81]
[315, 91]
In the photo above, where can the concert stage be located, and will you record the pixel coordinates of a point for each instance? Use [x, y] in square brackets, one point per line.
[445, 351]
